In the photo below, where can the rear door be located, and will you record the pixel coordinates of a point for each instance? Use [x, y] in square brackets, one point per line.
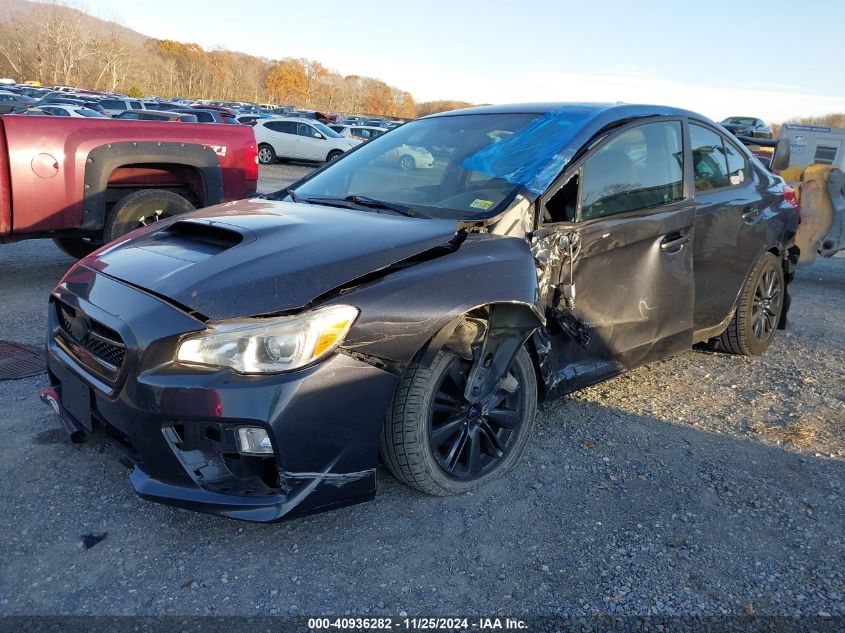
[627, 211]
[282, 137]
[730, 223]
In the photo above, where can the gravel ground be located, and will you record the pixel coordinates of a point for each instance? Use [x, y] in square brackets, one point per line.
[701, 485]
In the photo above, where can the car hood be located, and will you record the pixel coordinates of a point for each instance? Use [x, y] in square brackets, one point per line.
[258, 257]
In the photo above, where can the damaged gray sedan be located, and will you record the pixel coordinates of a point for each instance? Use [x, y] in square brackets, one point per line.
[253, 359]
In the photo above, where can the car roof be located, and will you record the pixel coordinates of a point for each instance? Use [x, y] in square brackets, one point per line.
[622, 110]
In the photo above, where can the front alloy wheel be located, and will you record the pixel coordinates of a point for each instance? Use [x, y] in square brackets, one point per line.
[437, 442]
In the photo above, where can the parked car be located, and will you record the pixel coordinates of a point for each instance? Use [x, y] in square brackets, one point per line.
[259, 355]
[208, 116]
[382, 123]
[361, 132]
[114, 106]
[747, 126]
[211, 106]
[61, 109]
[250, 119]
[295, 138]
[91, 104]
[10, 101]
[310, 114]
[87, 181]
[410, 157]
[156, 115]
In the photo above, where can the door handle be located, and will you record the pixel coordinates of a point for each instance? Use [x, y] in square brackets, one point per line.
[673, 242]
[750, 213]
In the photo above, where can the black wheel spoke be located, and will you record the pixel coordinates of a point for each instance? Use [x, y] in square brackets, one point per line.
[494, 446]
[505, 418]
[444, 432]
[456, 449]
[445, 402]
[474, 458]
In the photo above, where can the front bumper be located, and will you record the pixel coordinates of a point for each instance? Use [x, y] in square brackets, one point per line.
[176, 424]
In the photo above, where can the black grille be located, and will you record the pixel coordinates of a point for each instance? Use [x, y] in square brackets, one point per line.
[101, 341]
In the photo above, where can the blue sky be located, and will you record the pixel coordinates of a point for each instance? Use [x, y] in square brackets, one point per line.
[696, 55]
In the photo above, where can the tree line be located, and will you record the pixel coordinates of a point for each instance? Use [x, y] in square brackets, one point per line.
[59, 45]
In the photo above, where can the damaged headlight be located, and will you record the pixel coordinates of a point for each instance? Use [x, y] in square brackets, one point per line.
[267, 346]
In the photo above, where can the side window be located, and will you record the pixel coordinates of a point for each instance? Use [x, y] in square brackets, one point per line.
[708, 159]
[736, 164]
[640, 168]
[136, 105]
[303, 129]
[113, 104]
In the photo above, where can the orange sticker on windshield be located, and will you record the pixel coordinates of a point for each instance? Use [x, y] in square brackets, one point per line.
[478, 203]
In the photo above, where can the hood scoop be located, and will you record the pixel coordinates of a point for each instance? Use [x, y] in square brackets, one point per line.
[191, 241]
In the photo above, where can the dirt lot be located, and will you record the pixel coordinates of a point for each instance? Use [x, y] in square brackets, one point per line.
[702, 485]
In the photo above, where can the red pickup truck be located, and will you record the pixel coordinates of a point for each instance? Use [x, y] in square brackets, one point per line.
[84, 182]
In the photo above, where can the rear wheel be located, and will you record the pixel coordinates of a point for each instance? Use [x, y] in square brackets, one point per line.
[77, 247]
[437, 442]
[758, 310]
[266, 154]
[142, 208]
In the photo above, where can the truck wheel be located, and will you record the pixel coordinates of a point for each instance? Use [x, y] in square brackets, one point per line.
[142, 208]
[76, 247]
[266, 154]
[758, 310]
[435, 441]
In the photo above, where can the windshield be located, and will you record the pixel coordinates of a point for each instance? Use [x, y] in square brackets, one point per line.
[325, 129]
[739, 120]
[457, 167]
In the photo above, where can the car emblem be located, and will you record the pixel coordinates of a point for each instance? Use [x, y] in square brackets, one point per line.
[79, 328]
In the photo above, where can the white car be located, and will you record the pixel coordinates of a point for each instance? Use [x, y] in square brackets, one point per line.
[363, 132]
[299, 139]
[411, 157]
[61, 109]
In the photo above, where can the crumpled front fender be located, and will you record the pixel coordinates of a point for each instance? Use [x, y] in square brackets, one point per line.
[403, 310]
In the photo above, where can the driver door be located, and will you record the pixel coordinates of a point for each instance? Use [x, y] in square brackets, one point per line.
[310, 144]
[627, 213]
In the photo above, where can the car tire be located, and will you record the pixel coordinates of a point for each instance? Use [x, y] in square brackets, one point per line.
[142, 208]
[407, 162]
[266, 154]
[418, 410]
[76, 247]
[333, 155]
[758, 310]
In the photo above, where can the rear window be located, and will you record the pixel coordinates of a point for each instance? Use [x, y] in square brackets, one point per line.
[286, 127]
[710, 166]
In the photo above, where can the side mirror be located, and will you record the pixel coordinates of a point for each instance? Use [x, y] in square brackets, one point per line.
[780, 160]
[318, 135]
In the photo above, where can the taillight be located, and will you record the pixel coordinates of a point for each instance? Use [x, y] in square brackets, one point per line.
[792, 198]
[250, 161]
